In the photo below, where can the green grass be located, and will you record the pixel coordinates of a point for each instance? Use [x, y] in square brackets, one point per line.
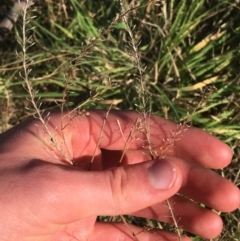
[186, 47]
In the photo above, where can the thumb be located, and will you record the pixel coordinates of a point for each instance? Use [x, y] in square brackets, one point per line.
[115, 191]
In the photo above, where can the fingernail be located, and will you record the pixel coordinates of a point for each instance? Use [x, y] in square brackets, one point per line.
[162, 174]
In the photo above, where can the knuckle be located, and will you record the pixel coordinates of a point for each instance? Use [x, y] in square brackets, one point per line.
[118, 180]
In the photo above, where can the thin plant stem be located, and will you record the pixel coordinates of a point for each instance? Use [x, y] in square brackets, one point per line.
[128, 227]
[100, 135]
[29, 88]
[174, 220]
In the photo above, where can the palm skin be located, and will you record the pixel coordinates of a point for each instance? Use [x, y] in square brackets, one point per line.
[44, 198]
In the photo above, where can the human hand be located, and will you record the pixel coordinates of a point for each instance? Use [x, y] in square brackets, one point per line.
[42, 198]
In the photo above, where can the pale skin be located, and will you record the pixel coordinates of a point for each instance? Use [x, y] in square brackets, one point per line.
[43, 198]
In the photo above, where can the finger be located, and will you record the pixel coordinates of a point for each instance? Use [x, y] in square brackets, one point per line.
[113, 231]
[201, 184]
[68, 195]
[188, 215]
[206, 186]
[119, 231]
[122, 131]
[82, 136]
[203, 148]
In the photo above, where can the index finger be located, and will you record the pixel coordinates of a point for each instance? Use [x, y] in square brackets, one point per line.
[125, 129]
[86, 135]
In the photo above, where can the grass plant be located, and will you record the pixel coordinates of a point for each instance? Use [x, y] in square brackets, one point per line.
[160, 57]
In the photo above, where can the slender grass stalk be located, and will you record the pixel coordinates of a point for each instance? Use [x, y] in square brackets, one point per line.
[32, 93]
